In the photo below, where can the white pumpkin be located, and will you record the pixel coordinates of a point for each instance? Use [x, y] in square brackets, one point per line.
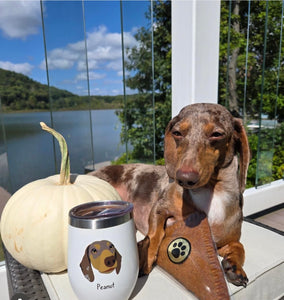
[34, 222]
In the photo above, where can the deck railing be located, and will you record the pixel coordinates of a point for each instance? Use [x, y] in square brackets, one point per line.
[222, 51]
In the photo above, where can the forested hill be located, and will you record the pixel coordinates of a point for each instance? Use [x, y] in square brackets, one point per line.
[19, 92]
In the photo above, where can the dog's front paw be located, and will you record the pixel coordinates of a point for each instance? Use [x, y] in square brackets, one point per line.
[234, 274]
[144, 270]
[145, 263]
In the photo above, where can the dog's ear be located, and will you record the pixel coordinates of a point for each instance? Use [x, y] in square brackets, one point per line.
[118, 260]
[86, 266]
[242, 147]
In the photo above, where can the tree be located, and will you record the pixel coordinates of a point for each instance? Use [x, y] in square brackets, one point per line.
[233, 96]
[231, 93]
[138, 116]
[264, 91]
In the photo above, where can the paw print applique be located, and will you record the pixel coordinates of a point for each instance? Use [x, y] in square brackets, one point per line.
[178, 250]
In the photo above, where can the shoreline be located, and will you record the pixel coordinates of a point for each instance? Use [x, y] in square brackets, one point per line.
[57, 110]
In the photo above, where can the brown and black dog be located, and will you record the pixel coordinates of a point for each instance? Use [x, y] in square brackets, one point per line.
[102, 256]
[206, 160]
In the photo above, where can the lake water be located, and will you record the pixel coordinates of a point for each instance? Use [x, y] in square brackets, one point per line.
[30, 149]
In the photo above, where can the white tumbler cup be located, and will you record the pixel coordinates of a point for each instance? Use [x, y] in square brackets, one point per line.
[102, 250]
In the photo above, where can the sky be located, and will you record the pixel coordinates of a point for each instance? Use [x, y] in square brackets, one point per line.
[22, 42]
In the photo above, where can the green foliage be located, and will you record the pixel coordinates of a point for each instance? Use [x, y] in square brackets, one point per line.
[124, 158]
[144, 122]
[19, 92]
[268, 165]
[121, 160]
[255, 57]
[266, 146]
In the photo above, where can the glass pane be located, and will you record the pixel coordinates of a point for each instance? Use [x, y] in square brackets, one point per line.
[251, 80]
[138, 60]
[23, 93]
[4, 174]
[269, 90]
[103, 33]
[84, 58]
[65, 63]
[4, 170]
[147, 69]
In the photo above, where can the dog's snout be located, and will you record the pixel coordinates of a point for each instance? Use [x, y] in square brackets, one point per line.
[110, 261]
[187, 178]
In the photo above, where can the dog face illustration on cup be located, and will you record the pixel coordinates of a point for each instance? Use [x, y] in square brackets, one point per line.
[101, 256]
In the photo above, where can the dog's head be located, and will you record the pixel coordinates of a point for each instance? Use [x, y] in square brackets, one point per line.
[202, 139]
[103, 256]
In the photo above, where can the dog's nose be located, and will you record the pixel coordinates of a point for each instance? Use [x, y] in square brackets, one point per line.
[187, 178]
[109, 261]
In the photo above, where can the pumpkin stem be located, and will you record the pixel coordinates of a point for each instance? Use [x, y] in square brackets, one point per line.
[65, 160]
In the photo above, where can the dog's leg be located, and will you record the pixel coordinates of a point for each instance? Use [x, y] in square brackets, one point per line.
[149, 246]
[233, 259]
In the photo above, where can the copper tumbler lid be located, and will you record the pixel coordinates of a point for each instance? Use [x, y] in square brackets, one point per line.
[100, 214]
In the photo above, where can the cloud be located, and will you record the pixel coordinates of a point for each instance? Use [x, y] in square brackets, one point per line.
[24, 68]
[92, 76]
[120, 73]
[18, 19]
[115, 65]
[104, 52]
[62, 58]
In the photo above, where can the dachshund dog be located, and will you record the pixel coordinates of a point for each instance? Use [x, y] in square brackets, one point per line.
[103, 256]
[206, 160]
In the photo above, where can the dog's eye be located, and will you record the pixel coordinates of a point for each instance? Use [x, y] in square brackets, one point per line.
[177, 133]
[111, 246]
[216, 135]
[94, 250]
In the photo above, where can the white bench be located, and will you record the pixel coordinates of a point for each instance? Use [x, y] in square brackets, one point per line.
[264, 266]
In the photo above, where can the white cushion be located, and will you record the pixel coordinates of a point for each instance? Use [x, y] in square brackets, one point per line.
[264, 264]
